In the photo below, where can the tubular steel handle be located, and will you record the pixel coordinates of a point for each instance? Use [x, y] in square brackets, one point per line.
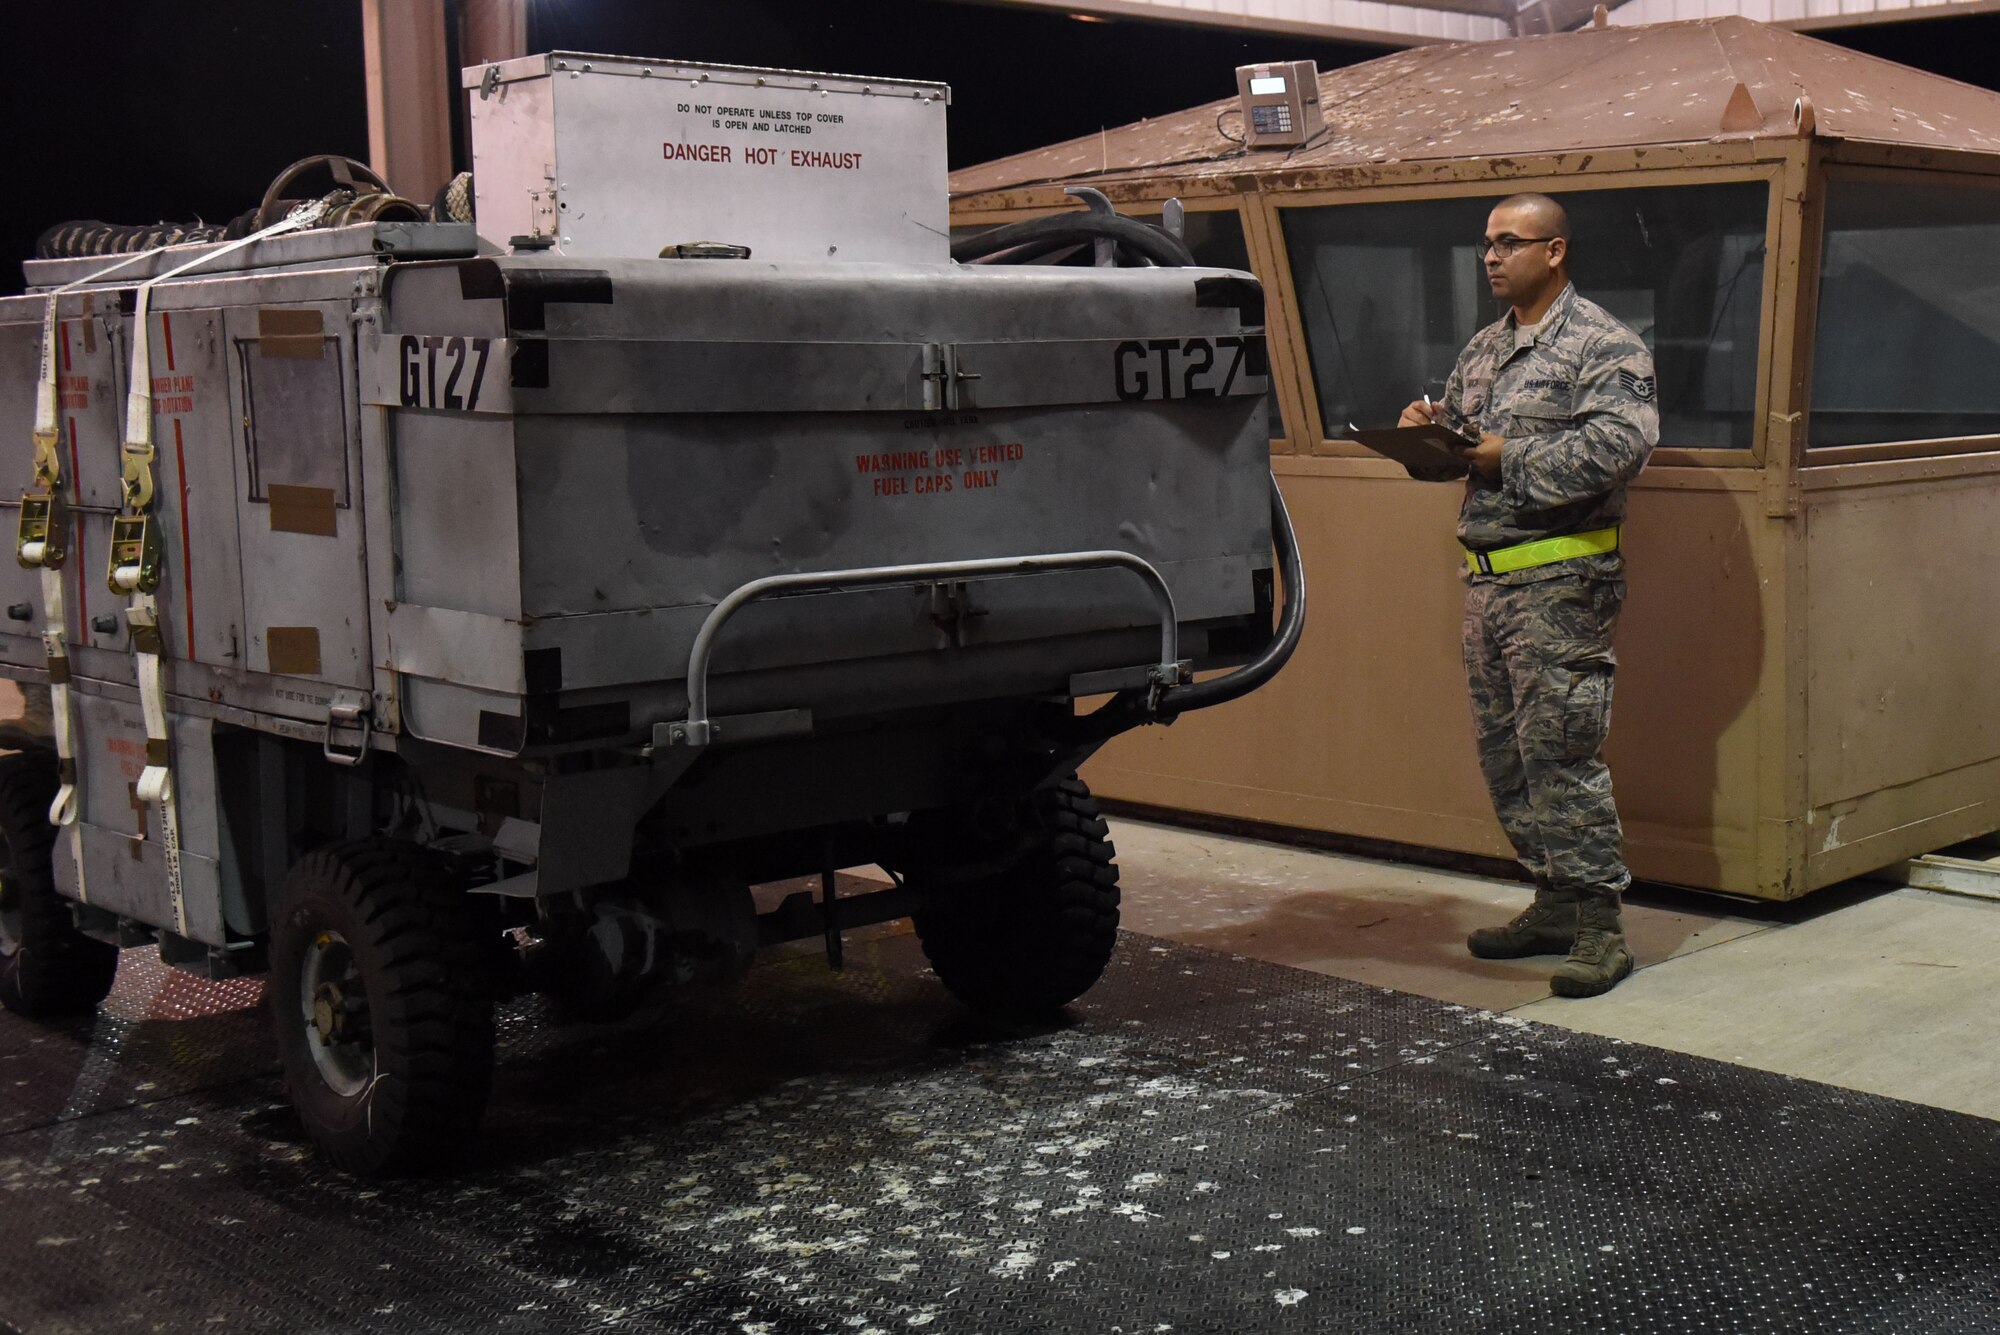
[696, 730]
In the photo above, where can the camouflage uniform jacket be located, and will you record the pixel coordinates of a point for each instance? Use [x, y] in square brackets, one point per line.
[1576, 409]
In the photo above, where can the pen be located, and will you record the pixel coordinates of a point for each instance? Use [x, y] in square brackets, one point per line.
[1427, 407]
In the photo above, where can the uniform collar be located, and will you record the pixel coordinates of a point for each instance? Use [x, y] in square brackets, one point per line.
[1552, 319]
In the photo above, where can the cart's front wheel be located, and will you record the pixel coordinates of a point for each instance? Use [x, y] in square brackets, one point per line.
[1017, 905]
[47, 967]
[382, 999]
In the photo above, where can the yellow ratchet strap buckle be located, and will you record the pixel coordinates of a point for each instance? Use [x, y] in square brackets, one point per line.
[41, 542]
[1543, 551]
[135, 555]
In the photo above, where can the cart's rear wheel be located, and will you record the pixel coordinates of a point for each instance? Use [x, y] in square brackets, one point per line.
[382, 997]
[47, 967]
[1023, 919]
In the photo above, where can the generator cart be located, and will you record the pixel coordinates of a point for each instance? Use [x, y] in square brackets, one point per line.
[433, 611]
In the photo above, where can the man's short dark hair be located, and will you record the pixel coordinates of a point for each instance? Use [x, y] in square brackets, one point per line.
[1553, 218]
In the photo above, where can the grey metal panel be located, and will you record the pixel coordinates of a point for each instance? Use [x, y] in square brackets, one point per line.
[281, 706]
[332, 280]
[136, 887]
[379, 542]
[681, 510]
[469, 648]
[1161, 365]
[436, 711]
[457, 520]
[111, 748]
[124, 872]
[431, 298]
[194, 787]
[302, 579]
[91, 370]
[671, 376]
[88, 598]
[618, 648]
[378, 241]
[195, 427]
[114, 666]
[20, 641]
[728, 301]
[111, 753]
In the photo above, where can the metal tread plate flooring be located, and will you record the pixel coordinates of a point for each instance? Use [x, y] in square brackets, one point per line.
[1209, 1144]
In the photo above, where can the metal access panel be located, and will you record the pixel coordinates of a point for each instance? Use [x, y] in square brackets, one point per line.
[612, 156]
[119, 837]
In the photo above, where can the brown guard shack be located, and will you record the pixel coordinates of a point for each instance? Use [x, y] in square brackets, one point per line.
[1809, 240]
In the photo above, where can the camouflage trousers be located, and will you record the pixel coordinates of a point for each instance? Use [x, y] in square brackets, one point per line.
[1538, 662]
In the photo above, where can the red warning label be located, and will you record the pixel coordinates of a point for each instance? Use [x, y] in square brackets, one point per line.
[695, 152]
[173, 395]
[812, 157]
[941, 471]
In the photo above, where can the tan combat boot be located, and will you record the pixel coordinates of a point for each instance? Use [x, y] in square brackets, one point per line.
[1545, 927]
[1599, 958]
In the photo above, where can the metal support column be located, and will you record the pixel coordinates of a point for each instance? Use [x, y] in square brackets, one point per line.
[409, 94]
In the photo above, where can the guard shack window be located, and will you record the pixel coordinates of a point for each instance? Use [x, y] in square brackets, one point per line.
[1908, 333]
[1390, 293]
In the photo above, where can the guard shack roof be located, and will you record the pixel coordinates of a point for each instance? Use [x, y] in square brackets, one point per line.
[1718, 80]
[1807, 240]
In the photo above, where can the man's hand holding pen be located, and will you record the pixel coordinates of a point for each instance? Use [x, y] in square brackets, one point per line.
[1483, 458]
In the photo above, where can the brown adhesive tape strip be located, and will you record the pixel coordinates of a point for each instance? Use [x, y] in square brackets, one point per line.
[290, 332]
[293, 650]
[302, 510]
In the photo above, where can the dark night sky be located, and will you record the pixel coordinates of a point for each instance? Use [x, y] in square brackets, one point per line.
[134, 112]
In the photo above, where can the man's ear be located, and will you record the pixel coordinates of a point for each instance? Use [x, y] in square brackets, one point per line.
[1558, 251]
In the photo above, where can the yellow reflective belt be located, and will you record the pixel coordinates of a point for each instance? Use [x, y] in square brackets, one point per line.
[1543, 551]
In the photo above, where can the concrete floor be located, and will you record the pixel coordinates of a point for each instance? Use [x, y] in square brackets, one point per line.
[1892, 991]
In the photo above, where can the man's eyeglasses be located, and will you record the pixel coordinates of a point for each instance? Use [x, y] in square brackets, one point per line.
[1507, 245]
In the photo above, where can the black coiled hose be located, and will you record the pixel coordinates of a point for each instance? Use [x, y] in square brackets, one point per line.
[70, 240]
[359, 195]
[1017, 243]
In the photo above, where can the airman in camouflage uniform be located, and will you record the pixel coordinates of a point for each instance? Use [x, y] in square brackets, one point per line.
[1561, 396]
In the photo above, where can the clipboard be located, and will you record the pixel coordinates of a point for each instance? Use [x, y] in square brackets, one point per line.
[1427, 453]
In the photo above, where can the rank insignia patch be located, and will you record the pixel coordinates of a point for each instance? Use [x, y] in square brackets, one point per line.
[1642, 387]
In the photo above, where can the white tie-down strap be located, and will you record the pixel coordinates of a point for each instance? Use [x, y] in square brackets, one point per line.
[47, 393]
[48, 474]
[62, 811]
[156, 781]
[139, 392]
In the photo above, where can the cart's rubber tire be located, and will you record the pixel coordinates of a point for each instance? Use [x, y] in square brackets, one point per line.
[47, 967]
[1028, 939]
[414, 942]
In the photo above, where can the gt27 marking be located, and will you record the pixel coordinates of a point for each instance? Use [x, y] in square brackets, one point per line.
[425, 358]
[1169, 368]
